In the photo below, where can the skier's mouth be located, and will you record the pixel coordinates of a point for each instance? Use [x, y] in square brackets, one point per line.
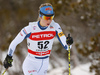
[48, 24]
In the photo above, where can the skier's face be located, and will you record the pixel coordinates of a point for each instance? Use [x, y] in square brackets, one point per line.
[45, 21]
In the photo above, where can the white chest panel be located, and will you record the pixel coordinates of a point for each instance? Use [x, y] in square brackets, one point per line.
[41, 40]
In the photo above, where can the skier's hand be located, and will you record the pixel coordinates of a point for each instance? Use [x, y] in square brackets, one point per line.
[69, 40]
[8, 61]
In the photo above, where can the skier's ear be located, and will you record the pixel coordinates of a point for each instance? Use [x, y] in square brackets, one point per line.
[40, 18]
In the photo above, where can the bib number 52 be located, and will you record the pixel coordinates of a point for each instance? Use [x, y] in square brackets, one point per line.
[43, 45]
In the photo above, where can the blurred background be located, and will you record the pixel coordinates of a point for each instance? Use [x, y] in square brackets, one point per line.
[80, 18]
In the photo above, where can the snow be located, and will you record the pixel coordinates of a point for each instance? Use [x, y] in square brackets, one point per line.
[57, 71]
[82, 69]
[79, 70]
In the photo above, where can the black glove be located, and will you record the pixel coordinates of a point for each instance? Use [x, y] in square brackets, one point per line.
[8, 61]
[69, 40]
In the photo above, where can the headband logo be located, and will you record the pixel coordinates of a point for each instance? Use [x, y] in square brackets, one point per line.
[48, 9]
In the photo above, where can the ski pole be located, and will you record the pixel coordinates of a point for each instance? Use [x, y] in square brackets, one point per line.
[4, 71]
[69, 55]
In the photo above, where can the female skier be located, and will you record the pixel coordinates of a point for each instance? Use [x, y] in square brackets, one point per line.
[40, 36]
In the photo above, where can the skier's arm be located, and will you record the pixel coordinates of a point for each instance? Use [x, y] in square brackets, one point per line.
[61, 37]
[18, 39]
[23, 34]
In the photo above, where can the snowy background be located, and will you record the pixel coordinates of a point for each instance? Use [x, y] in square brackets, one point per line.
[81, 69]
[80, 18]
